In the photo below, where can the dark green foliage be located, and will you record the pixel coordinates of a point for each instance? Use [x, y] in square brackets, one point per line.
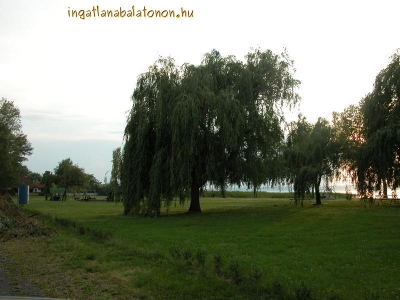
[378, 161]
[218, 122]
[372, 134]
[73, 178]
[312, 153]
[34, 177]
[68, 174]
[14, 145]
[49, 179]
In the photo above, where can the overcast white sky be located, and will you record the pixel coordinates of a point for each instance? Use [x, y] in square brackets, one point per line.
[72, 79]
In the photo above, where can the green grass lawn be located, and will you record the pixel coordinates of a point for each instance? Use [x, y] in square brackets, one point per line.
[269, 248]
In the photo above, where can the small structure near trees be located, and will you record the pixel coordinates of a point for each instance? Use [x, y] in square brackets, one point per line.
[56, 194]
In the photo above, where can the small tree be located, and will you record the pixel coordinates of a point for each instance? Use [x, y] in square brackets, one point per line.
[349, 130]
[115, 182]
[312, 153]
[70, 176]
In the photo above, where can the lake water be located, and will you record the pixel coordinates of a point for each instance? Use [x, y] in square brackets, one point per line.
[338, 188]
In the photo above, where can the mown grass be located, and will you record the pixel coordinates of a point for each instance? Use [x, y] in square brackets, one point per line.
[237, 248]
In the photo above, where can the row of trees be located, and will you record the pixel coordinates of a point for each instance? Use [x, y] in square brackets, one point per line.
[14, 149]
[221, 123]
[71, 177]
[362, 143]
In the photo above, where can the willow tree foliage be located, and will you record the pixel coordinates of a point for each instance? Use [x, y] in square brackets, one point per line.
[312, 154]
[14, 145]
[115, 182]
[349, 131]
[378, 160]
[216, 122]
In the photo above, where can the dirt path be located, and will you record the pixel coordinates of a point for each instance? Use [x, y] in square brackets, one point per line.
[12, 282]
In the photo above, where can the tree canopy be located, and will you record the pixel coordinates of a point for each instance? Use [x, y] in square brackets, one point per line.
[370, 134]
[14, 145]
[312, 154]
[72, 177]
[378, 161]
[216, 122]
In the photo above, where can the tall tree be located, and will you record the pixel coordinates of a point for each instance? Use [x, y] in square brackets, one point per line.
[296, 155]
[14, 145]
[378, 160]
[197, 124]
[146, 159]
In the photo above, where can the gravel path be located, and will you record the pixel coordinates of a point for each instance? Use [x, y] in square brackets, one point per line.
[13, 283]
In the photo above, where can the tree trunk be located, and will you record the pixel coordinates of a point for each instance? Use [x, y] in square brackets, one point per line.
[255, 192]
[385, 194]
[194, 194]
[317, 193]
[223, 194]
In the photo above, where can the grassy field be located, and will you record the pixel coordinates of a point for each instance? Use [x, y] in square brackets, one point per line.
[238, 248]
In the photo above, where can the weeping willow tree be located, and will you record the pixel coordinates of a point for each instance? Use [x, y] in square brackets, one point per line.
[378, 165]
[216, 122]
[296, 155]
[349, 132]
[147, 155]
[312, 154]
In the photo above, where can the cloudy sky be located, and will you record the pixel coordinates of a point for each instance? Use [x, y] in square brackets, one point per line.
[72, 78]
